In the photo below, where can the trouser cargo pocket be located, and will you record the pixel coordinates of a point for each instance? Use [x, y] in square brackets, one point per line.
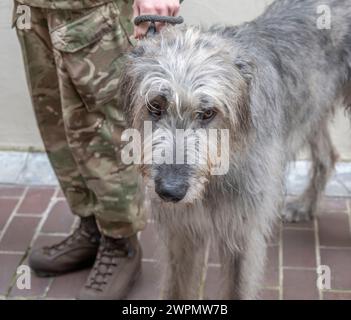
[90, 46]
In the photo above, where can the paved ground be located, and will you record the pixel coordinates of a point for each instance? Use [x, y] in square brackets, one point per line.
[32, 216]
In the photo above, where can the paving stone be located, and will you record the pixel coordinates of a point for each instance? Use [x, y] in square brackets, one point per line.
[11, 164]
[8, 267]
[11, 191]
[213, 286]
[269, 294]
[309, 225]
[36, 200]
[299, 260]
[19, 234]
[334, 230]
[298, 248]
[39, 285]
[6, 208]
[32, 176]
[60, 219]
[68, 286]
[332, 205]
[300, 285]
[339, 262]
[337, 295]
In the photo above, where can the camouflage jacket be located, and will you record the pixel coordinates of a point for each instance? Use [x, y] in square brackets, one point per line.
[64, 4]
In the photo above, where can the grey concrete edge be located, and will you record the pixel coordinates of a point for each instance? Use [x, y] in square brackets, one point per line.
[33, 168]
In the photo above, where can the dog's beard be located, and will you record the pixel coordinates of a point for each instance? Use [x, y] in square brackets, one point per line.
[189, 151]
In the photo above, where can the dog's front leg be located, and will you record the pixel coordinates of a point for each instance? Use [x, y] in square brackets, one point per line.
[184, 267]
[243, 270]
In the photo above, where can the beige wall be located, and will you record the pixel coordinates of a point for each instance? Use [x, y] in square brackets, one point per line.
[17, 124]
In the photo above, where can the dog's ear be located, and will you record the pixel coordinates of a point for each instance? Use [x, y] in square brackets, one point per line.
[245, 67]
[246, 70]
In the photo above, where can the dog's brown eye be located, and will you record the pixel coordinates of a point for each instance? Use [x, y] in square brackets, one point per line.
[155, 110]
[207, 115]
[157, 107]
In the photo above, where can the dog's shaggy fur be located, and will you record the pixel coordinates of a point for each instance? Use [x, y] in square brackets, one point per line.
[274, 83]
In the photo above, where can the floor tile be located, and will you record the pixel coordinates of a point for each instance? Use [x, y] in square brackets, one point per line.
[300, 285]
[269, 294]
[334, 230]
[298, 248]
[332, 205]
[8, 267]
[11, 191]
[36, 200]
[19, 234]
[39, 285]
[60, 219]
[298, 251]
[339, 262]
[6, 209]
[68, 286]
[337, 295]
[272, 267]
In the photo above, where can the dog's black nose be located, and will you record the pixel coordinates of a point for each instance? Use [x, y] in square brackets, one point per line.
[171, 192]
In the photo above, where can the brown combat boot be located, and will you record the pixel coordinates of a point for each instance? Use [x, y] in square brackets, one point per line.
[78, 251]
[117, 267]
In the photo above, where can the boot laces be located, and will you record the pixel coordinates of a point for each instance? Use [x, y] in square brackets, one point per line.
[106, 261]
[78, 234]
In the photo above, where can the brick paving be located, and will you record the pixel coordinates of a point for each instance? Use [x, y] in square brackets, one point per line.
[33, 216]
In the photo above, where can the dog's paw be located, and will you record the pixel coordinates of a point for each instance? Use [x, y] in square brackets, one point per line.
[295, 212]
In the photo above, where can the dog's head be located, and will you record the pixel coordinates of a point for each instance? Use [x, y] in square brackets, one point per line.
[183, 90]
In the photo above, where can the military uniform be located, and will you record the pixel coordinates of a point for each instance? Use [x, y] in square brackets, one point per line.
[72, 54]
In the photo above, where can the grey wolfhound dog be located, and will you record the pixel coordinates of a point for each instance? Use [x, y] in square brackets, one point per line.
[273, 83]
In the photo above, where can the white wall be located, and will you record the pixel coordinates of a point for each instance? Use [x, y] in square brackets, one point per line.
[17, 124]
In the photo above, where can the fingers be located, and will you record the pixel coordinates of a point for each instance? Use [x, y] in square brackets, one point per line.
[176, 11]
[153, 7]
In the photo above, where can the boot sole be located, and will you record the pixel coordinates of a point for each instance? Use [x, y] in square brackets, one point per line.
[48, 274]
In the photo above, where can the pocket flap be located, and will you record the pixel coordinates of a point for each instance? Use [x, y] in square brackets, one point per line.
[82, 32]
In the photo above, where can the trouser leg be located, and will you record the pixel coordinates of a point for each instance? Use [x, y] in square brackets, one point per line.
[42, 79]
[88, 66]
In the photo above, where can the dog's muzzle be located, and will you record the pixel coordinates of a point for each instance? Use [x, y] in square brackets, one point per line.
[170, 185]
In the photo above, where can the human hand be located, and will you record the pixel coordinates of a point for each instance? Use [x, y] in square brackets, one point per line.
[153, 7]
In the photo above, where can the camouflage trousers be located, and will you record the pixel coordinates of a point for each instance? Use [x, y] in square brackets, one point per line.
[72, 60]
